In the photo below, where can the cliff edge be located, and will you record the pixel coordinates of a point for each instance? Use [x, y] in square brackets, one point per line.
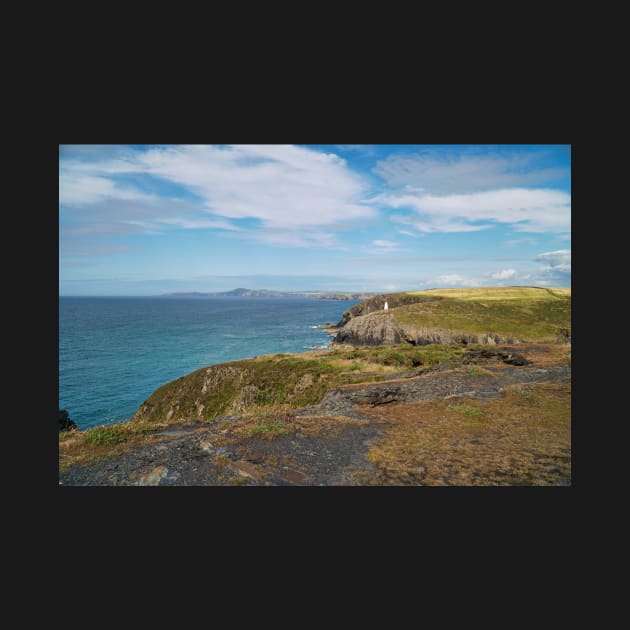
[486, 316]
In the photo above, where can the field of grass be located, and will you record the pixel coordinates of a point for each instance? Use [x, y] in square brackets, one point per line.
[526, 313]
[497, 293]
[522, 438]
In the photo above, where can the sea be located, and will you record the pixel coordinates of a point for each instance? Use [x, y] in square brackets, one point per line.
[114, 352]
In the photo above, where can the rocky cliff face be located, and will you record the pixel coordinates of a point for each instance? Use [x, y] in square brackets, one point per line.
[371, 330]
[381, 329]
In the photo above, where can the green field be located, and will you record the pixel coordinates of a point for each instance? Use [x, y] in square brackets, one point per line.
[498, 293]
[527, 313]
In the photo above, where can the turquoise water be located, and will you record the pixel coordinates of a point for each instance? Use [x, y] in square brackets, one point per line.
[114, 352]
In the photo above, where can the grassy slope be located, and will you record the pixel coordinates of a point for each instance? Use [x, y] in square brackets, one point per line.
[281, 382]
[293, 380]
[525, 312]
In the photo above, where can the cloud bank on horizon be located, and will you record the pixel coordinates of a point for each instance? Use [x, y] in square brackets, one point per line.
[140, 220]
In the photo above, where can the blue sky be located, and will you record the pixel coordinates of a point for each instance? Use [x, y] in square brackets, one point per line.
[151, 219]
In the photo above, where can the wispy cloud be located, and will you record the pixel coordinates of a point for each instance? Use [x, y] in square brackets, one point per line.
[293, 238]
[454, 280]
[385, 244]
[200, 224]
[445, 172]
[525, 210]
[557, 261]
[363, 149]
[72, 248]
[520, 241]
[293, 194]
[503, 274]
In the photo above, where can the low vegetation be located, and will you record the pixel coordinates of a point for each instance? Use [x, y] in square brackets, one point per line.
[293, 380]
[262, 390]
[522, 438]
[526, 313]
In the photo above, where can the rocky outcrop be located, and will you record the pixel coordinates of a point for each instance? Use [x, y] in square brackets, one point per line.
[475, 357]
[422, 336]
[375, 304]
[65, 424]
[371, 330]
[380, 329]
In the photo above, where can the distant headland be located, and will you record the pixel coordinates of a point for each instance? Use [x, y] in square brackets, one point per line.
[240, 292]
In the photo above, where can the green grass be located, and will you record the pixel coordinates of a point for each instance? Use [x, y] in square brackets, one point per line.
[475, 371]
[115, 434]
[497, 293]
[472, 412]
[293, 380]
[526, 313]
[271, 428]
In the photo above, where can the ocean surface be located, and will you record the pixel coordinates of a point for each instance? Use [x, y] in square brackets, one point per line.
[115, 352]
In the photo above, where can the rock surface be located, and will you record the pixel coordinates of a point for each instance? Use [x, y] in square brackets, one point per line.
[371, 330]
[65, 424]
[382, 329]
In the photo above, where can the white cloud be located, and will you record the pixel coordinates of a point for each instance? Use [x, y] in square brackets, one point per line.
[525, 210]
[559, 260]
[408, 233]
[560, 257]
[294, 194]
[385, 244]
[503, 275]
[521, 241]
[195, 224]
[282, 186]
[555, 270]
[293, 238]
[470, 170]
[453, 279]
[77, 189]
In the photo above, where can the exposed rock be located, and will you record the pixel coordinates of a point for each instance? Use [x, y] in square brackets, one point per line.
[511, 358]
[371, 330]
[65, 424]
[292, 477]
[206, 446]
[245, 469]
[379, 397]
[381, 329]
[154, 477]
[218, 375]
[246, 398]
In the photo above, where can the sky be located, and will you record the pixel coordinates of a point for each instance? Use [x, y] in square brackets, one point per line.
[154, 219]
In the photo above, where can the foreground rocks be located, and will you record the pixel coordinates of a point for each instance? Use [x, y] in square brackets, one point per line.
[65, 424]
[332, 443]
